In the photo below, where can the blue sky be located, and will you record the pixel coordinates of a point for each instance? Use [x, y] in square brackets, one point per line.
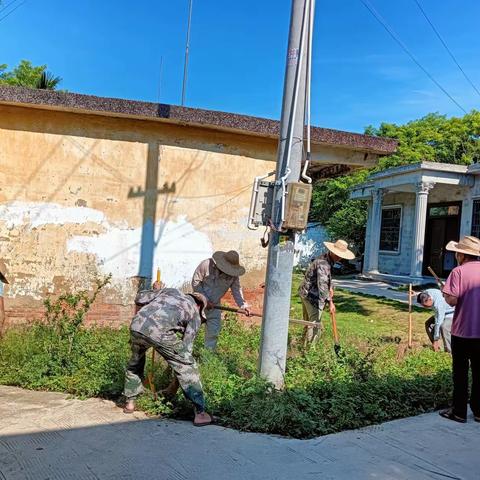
[237, 61]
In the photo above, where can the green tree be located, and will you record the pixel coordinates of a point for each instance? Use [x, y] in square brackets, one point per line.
[433, 138]
[27, 75]
[342, 217]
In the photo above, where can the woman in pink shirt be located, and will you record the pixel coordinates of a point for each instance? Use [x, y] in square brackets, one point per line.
[462, 290]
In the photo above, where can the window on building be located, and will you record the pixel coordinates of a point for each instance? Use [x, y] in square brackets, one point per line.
[444, 211]
[390, 229]
[476, 219]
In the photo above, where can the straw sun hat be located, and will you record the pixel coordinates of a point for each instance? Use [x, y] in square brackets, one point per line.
[229, 263]
[340, 248]
[468, 245]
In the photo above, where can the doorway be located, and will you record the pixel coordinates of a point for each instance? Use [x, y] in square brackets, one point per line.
[443, 225]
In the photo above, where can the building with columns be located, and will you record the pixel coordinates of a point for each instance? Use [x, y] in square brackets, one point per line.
[414, 211]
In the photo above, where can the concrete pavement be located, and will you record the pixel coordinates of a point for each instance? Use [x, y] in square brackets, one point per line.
[374, 288]
[48, 436]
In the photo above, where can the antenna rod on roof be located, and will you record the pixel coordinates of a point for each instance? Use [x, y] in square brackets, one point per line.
[160, 79]
[187, 47]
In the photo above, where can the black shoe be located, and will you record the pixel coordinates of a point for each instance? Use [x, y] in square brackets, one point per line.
[449, 415]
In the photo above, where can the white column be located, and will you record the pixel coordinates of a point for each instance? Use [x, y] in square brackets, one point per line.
[368, 236]
[375, 225]
[466, 218]
[418, 244]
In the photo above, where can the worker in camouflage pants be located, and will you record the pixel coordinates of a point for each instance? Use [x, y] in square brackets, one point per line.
[316, 289]
[168, 321]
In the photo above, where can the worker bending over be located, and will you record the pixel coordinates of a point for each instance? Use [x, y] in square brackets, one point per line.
[213, 278]
[168, 321]
[441, 323]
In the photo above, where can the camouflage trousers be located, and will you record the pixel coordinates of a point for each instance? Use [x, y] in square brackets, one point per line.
[311, 313]
[177, 357]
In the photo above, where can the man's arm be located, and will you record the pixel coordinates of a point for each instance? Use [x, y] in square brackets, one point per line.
[451, 290]
[237, 293]
[198, 276]
[450, 299]
[440, 311]
[324, 281]
[190, 334]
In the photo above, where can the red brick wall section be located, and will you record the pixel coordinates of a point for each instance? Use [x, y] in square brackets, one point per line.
[22, 315]
[115, 315]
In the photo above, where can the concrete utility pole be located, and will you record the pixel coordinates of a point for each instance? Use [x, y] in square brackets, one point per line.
[278, 284]
[187, 48]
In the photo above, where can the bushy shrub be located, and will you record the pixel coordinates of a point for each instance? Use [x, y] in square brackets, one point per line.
[324, 393]
[60, 354]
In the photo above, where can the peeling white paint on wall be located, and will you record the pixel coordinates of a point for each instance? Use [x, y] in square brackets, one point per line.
[175, 247]
[310, 244]
[177, 251]
[36, 214]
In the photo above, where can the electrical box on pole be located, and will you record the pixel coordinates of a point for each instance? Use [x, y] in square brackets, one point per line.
[298, 197]
[298, 205]
[261, 203]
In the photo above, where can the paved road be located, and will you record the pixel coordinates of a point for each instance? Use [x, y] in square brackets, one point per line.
[48, 436]
[377, 289]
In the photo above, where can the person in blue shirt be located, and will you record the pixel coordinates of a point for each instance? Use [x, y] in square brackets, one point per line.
[441, 323]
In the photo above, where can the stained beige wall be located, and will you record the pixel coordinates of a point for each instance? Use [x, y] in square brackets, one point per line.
[76, 192]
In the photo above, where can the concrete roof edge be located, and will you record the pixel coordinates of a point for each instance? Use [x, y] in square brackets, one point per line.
[413, 167]
[80, 103]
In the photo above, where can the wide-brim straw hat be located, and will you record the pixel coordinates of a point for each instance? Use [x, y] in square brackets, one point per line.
[340, 248]
[468, 245]
[202, 300]
[229, 263]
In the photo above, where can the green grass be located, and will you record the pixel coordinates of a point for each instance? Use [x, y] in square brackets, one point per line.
[373, 380]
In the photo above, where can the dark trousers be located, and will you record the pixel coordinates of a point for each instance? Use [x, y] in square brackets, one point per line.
[465, 354]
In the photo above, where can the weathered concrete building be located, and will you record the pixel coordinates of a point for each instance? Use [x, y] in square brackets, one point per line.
[414, 211]
[93, 186]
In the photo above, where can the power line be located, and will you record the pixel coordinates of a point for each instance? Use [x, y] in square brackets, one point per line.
[187, 51]
[7, 5]
[11, 11]
[437, 33]
[392, 33]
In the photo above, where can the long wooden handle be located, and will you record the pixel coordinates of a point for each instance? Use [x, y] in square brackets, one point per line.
[236, 310]
[435, 276]
[254, 314]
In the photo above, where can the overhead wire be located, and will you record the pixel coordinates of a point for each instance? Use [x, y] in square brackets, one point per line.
[11, 11]
[308, 154]
[8, 5]
[444, 43]
[397, 39]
